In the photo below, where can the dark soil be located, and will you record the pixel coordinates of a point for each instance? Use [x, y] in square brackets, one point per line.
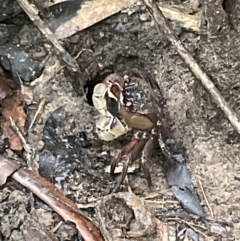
[120, 43]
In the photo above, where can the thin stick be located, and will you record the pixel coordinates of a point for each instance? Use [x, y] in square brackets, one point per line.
[190, 62]
[57, 227]
[32, 12]
[39, 111]
[161, 201]
[128, 184]
[18, 131]
[83, 50]
[31, 156]
[193, 226]
[206, 200]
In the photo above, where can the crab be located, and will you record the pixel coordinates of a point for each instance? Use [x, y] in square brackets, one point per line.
[139, 107]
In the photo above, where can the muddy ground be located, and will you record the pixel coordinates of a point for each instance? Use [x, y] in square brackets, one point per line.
[120, 43]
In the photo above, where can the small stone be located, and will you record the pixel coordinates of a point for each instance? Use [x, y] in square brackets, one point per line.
[40, 145]
[144, 17]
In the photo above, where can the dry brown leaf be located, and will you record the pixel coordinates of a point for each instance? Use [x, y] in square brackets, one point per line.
[162, 230]
[12, 107]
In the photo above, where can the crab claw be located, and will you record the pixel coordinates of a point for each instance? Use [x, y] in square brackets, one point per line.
[110, 128]
[116, 79]
[99, 100]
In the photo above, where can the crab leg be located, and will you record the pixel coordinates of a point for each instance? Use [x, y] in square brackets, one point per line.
[125, 150]
[161, 141]
[146, 154]
[133, 156]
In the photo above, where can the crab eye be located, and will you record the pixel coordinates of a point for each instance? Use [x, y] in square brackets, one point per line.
[126, 78]
[129, 106]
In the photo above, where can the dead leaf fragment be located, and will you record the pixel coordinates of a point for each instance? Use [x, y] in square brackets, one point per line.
[52, 67]
[12, 107]
[27, 94]
[89, 13]
[162, 230]
[126, 210]
[80, 15]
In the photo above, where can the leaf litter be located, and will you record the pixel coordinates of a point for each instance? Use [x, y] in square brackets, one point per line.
[87, 191]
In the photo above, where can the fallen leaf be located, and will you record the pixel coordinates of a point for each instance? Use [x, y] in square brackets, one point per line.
[27, 94]
[74, 16]
[12, 107]
[178, 178]
[125, 210]
[88, 13]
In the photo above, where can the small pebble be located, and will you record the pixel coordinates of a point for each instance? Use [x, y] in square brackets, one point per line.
[40, 145]
[144, 17]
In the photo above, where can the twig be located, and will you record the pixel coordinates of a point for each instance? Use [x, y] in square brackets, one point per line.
[128, 184]
[83, 50]
[18, 131]
[39, 110]
[32, 12]
[57, 227]
[193, 226]
[190, 62]
[161, 201]
[206, 200]
[31, 155]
